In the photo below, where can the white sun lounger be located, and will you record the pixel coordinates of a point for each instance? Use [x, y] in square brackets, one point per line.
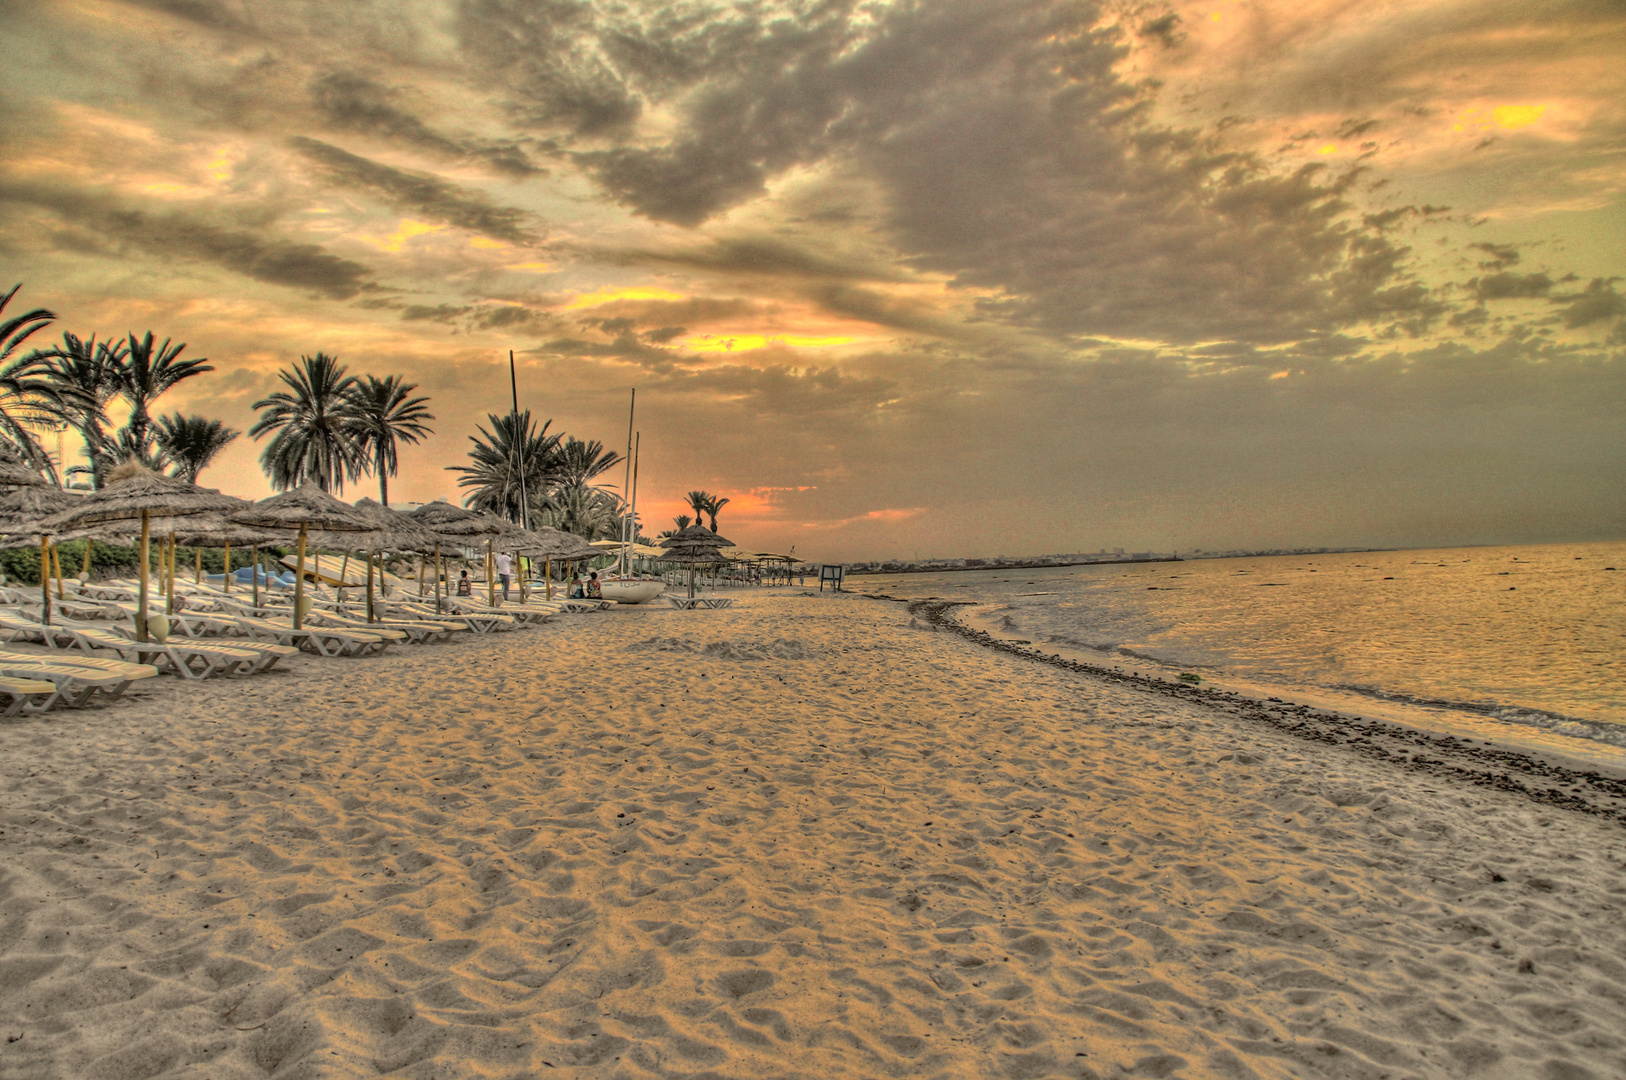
[322, 640]
[479, 623]
[78, 679]
[23, 696]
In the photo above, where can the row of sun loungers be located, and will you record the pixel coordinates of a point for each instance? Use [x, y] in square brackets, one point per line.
[94, 655]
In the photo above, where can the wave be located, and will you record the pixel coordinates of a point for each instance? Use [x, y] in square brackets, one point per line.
[1558, 723]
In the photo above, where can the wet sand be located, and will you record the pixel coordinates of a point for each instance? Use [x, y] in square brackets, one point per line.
[800, 838]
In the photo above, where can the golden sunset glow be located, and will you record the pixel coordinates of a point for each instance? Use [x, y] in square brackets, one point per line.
[610, 296]
[403, 234]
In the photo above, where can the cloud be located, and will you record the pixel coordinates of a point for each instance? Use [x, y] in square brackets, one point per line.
[1598, 303]
[101, 223]
[419, 193]
[353, 102]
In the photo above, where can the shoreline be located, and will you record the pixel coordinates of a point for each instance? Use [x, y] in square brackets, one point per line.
[1545, 778]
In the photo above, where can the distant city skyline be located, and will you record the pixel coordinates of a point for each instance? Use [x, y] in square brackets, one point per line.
[963, 276]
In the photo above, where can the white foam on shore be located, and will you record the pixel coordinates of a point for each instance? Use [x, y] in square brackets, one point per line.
[894, 854]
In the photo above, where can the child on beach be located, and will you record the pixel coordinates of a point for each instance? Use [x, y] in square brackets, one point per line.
[465, 587]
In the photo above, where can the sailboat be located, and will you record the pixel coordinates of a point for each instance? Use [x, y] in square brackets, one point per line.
[625, 587]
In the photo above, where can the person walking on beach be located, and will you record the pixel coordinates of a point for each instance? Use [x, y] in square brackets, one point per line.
[505, 567]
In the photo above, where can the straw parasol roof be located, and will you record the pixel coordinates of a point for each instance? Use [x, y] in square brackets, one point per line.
[690, 543]
[306, 505]
[556, 544]
[15, 472]
[216, 530]
[124, 500]
[453, 524]
[396, 531]
[22, 510]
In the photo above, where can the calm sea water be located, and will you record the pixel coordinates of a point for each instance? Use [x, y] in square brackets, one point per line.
[1532, 636]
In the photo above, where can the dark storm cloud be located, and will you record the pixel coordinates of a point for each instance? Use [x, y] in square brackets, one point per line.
[354, 102]
[420, 193]
[1012, 157]
[96, 222]
[765, 257]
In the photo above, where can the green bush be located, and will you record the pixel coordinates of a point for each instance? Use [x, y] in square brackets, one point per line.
[22, 565]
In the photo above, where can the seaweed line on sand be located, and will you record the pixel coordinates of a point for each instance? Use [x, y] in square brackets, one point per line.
[1445, 756]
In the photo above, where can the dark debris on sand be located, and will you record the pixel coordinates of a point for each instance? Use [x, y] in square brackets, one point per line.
[1439, 755]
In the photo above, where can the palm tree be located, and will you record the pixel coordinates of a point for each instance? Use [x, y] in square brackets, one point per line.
[698, 500]
[312, 425]
[145, 373]
[492, 476]
[714, 506]
[682, 521]
[29, 396]
[383, 413]
[589, 512]
[191, 442]
[579, 463]
[86, 367]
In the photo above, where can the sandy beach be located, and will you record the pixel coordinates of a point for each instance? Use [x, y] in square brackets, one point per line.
[807, 837]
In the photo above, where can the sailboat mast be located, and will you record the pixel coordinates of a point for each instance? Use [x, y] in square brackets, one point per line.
[519, 445]
[626, 484]
[632, 527]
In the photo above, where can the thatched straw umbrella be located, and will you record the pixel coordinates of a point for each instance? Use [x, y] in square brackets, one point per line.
[141, 496]
[218, 530]
[695, 544]
[15, 472]
[452, 525]
[303, 507]
[395, 532]
[21, 513]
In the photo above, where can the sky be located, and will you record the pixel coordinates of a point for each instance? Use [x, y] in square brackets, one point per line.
[900, 280]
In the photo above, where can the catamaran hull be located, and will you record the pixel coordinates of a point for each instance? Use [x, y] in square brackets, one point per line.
[631, 592]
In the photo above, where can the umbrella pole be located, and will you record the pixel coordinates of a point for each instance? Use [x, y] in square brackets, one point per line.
[299, 578]
[197, 566]
[254, 573]
[169, 608]
[146, 570]
[691, 580]
[225, 567]
[56, 557]
[547, 574]
[89, 547]
[370, 554]
[45, 578]
[437, 578]
[491, 574]
[344, 567]
[421, 561]
[522, 576]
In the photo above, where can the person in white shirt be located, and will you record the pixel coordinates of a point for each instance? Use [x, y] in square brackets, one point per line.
[505, 567]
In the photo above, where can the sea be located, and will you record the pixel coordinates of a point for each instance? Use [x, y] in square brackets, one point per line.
[1523, 644]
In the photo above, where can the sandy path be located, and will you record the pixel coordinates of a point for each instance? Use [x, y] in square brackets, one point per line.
[867, 850]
